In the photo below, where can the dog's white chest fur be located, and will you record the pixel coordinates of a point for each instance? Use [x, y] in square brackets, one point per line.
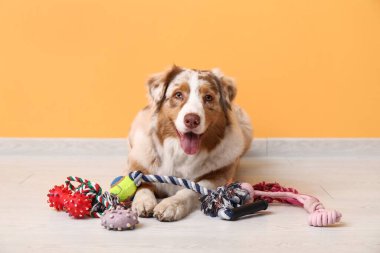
[175, 162]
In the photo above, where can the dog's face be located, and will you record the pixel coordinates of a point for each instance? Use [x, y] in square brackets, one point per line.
[192, 105]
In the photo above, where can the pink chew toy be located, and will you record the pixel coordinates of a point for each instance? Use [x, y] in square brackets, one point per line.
[318, 215]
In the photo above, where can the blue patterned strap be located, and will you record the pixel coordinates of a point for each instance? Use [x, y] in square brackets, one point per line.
[213, 203]
[138, 177]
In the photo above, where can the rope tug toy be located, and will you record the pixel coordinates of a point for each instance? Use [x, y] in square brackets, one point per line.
[229, 202]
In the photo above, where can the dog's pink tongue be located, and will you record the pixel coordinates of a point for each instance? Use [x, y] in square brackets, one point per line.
[190, 143]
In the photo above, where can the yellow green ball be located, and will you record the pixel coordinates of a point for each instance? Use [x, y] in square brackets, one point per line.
[123, 187]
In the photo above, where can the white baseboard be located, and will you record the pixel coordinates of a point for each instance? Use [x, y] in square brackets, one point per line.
[304, 147]
[63, 146]
[261, 147]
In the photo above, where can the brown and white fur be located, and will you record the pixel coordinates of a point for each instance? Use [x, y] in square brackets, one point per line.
[190, 129]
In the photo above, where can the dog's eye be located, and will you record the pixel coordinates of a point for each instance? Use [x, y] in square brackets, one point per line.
[178, 95]
[208, 98]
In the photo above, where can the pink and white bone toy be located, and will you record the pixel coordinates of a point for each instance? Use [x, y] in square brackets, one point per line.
[318, 215]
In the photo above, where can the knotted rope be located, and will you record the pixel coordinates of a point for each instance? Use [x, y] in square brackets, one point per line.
[100, 201]
[227, 202]
[138, 177]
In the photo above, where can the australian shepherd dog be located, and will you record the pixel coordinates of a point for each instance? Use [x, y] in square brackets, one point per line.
[191, 129]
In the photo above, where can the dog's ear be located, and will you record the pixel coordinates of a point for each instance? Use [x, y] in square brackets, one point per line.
[227, 83]
[158, 83]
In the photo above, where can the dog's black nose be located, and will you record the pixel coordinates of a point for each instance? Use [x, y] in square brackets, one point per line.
[192, 120]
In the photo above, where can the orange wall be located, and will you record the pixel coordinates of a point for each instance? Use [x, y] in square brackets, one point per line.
[76, 68]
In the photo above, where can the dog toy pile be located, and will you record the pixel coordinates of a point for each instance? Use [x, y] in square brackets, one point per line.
[234, 200]
[87, 200]
[229, 202]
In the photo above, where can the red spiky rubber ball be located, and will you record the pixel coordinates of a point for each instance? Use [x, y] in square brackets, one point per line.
[78, 205]
[57, 196]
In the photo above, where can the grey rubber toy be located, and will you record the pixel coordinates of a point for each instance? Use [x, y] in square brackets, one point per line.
[119, 219]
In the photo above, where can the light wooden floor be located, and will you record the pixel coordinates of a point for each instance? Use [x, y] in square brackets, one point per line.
[350, 184]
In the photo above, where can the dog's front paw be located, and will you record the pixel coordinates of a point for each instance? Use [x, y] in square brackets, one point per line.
[144, 203]
[170, 209]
